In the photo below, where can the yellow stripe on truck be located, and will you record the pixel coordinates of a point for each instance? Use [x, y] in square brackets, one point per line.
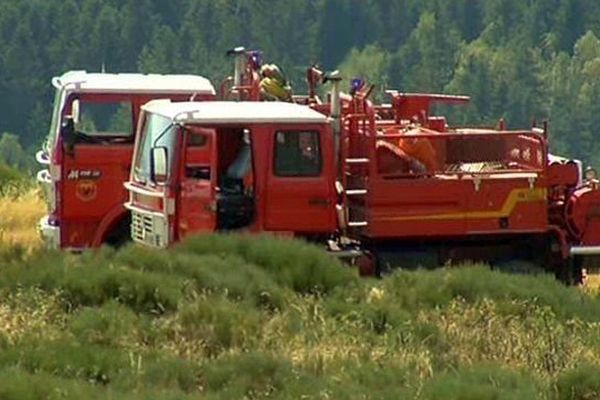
[515, 197]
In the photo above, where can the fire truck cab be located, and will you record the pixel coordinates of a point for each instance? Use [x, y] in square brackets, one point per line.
[222, 166]
[87, 154]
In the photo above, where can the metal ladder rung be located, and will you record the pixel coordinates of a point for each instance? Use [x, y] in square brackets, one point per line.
[357, 224]
[356, 192]
[353, 161]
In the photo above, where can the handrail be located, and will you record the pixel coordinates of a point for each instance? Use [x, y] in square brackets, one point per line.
[131, 207]
[435, 134]
[145, 192]
[527, 173]
[42, 157]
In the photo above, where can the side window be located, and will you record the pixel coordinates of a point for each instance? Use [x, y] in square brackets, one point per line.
[197, 154]
[196, 140]
[297, 153]
[105, 119]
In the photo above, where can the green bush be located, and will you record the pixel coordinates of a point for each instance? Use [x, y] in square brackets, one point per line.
[230, 274]
[418, 290]
[247, 375]
[68, 359]
[303, 267]
[257, 317]
[482, 383]
[9, 176]
[582, 383]
[110, 324]
[121, 369]
[93, 281]
[219, 324]
[17, 384]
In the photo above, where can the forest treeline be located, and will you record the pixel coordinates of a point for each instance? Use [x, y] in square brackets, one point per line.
[518, 60]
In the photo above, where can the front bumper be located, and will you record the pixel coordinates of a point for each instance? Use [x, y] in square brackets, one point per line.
[50, 233]
[585, 251]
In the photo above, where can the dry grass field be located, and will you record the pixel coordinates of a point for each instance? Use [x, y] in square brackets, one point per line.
[228, 317]
[20, 211]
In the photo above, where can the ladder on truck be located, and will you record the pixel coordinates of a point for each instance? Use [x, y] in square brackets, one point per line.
[357, 152]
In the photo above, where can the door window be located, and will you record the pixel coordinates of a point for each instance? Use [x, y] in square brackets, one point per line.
[297, 154]
[104, 119]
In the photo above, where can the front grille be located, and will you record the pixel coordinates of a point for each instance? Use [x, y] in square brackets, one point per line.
[143, 230]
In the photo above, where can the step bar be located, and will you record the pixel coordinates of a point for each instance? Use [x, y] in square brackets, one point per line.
[584, 251]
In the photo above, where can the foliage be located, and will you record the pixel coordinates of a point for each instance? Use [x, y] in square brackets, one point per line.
[22, 207]
[12, 154]
[258, 317]
[518, 60]
[9, 176]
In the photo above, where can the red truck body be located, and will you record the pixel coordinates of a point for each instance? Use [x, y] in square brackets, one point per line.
[348, 181]
[84, 173]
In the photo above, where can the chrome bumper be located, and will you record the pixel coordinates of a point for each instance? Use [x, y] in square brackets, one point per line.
[584, 251]
[50, 233]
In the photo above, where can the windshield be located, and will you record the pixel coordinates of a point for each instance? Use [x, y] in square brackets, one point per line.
[57, 106]
[105, 119]
[157, 131]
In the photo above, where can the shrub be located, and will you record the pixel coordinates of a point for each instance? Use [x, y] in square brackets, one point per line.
[582, 383]
[247, 375]
[481, 383]
[303, 267]
[417, 290]
[121, 369]
[93, 281]
[21, 385]
[9, 176]
[230, 274]
[219, 323]
[110, 324]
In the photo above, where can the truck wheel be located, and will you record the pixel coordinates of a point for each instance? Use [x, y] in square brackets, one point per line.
[571, 271]
[120, 234]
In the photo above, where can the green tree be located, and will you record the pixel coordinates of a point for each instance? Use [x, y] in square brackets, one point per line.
[161, 55]
[370, 63]
[427, 60]
[11, 152]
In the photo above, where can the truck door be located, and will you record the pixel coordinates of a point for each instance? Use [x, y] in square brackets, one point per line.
[96, 163]
[299, 195]
[196, 210]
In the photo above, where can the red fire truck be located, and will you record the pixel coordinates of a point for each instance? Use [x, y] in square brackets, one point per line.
[87, 155]
[384, 185]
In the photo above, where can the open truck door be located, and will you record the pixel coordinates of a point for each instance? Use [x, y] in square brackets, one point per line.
[197, 193]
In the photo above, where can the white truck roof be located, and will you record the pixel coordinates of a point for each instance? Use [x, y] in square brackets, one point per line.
[231, 112]
[82, 81]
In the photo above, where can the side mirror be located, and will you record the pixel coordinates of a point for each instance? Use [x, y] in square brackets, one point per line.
[75, 106]
[159, 164]
[67, 131]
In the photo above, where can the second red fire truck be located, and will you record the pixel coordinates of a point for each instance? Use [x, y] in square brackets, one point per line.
[87, 155]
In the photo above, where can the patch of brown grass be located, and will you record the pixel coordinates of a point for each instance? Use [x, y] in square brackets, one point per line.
[19, 216]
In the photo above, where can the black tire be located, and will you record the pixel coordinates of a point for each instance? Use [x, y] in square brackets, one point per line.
[120, 234]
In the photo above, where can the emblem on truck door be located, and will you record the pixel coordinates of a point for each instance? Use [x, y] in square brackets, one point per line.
[86, 190]
[76, 174]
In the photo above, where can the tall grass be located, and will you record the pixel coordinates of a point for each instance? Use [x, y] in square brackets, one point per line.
[228, 317]
[21, 207]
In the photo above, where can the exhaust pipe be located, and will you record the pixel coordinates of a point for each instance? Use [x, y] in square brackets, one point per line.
[239, 54]
[335, 114]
